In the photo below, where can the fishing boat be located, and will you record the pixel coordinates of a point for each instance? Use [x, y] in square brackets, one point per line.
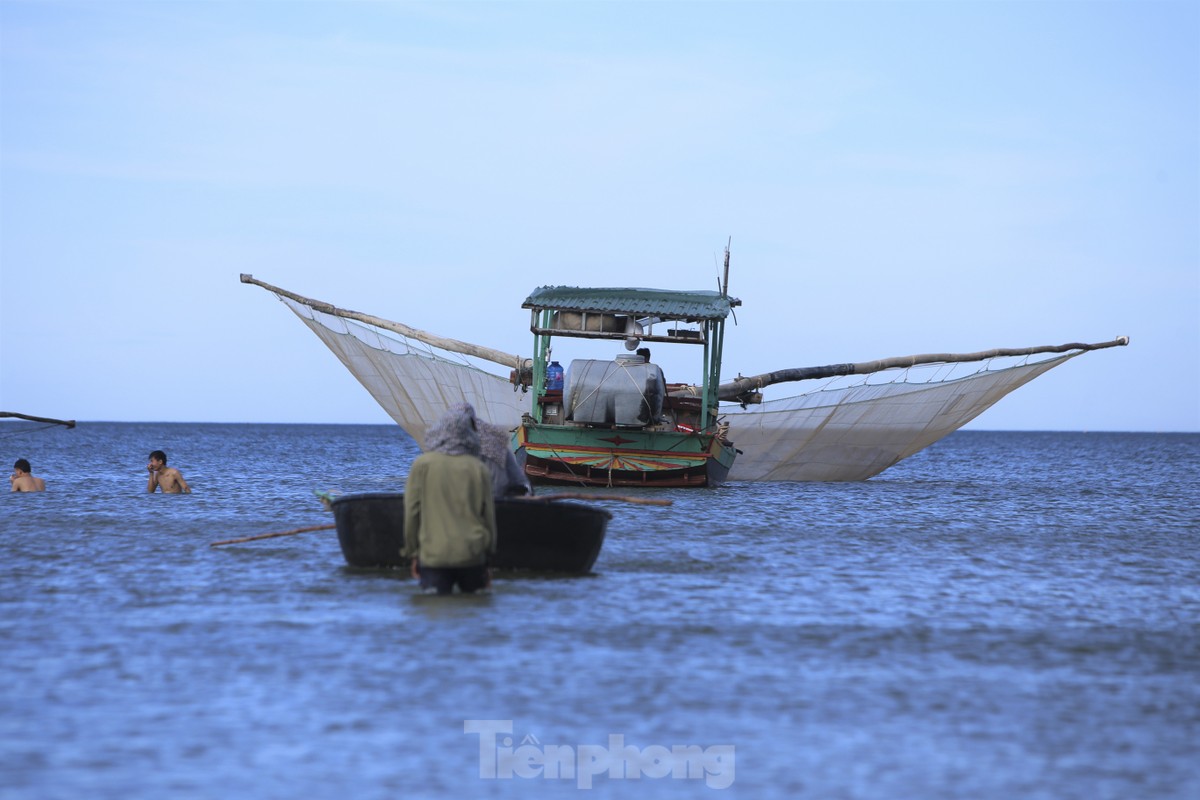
[617, 422]
[538, 534]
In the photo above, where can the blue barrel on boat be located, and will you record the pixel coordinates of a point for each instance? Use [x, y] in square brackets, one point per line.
[554, 377]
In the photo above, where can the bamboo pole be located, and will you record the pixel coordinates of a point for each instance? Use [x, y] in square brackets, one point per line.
[292, 532]
[646, 501]
[70, 423]
[452, 345]
[733, 390]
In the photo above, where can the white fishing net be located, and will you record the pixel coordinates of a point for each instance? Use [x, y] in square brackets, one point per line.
[414, 383]
[847, 433]
[854, 432]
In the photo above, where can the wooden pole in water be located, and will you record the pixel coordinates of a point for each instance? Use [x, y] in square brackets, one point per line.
[292, 532]
[599, 498]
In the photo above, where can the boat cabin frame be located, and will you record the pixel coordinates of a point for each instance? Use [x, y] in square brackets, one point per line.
[631, 316]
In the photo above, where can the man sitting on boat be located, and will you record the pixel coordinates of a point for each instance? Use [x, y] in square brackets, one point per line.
[449, 511]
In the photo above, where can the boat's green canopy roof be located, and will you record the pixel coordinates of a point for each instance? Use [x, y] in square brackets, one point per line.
[663, 303]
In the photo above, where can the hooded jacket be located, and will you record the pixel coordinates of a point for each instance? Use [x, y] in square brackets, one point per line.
[449, 513]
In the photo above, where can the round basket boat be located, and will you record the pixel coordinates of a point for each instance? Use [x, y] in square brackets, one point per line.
[535, 534]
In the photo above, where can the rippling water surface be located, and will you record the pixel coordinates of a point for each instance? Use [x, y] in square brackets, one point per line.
[1003, 615]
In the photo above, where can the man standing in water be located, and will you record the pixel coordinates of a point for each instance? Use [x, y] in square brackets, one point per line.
[23, 479]
[168, 478]
[449, 513]
[507, 476]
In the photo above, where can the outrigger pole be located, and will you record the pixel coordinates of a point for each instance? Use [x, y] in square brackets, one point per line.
[452, 345]
[740, 389]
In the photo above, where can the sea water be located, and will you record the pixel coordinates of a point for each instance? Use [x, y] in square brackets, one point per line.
[1002, 615]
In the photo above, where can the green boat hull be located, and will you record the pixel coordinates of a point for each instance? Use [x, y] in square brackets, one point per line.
[560, 455]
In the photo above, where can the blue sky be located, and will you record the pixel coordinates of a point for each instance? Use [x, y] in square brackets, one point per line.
[896, 177]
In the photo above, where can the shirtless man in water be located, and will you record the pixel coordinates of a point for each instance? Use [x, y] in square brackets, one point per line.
[23, 481]
[168, 478]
